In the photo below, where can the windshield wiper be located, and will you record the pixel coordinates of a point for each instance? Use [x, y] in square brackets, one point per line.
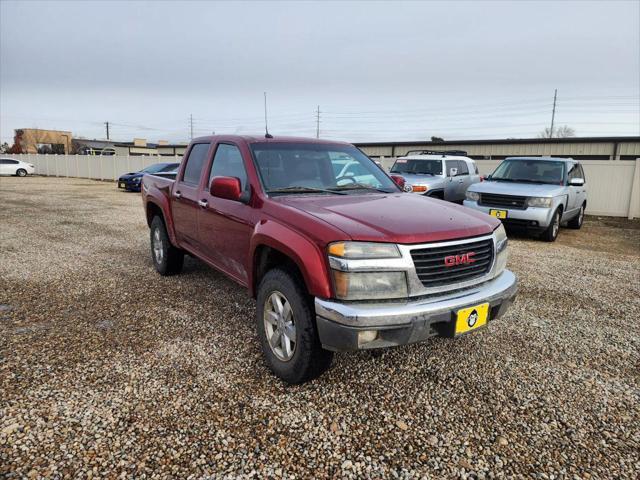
[297, 189]
[359, 186]
[501, 179]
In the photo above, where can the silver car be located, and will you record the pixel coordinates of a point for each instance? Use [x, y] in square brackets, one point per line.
[438, 175]
[535, 193]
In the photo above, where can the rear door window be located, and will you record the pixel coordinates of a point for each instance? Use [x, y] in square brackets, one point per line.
[195, 162]
[462, 168]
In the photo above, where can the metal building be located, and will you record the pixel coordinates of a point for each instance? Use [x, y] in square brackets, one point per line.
[580, 148]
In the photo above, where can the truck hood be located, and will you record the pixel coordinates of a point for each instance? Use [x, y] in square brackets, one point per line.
[428, 180]
[522, 189]
[394, 217]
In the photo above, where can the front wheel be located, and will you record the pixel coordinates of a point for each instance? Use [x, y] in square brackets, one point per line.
[21, 172]
[576, 222]
[287, 330]
[551, 233]
[167, 259]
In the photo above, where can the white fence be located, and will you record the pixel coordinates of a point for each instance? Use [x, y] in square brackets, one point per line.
[107, 167]
[614, 186]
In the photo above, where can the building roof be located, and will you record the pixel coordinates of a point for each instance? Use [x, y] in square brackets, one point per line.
[503, 141]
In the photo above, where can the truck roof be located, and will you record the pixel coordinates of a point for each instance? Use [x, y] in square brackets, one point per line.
[263, 139]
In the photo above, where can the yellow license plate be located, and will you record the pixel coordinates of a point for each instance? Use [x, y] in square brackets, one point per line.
[471, 318]
[498, 213]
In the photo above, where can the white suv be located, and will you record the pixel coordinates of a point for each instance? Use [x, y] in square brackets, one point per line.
[444, 175]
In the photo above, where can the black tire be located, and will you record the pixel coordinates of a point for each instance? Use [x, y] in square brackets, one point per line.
[21, 172]
[308, 359]
[576, 222]
[551, 233]
[167, 259]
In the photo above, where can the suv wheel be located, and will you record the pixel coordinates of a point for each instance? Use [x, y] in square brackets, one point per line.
[167, 259]
[286, 326]
[576, 222]
[21, 172]
[551, 233]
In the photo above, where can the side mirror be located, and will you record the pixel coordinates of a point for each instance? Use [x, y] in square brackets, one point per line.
[399, 180]
[576, 182]
[225, 187]
[453, 172]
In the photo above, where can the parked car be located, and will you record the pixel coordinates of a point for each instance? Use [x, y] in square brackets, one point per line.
[441, 175]
[334, 263]
[10, 166]
[535, 193]
[131, 181]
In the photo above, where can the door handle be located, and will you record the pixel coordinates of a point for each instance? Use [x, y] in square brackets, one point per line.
[177, 195]
[203, 203]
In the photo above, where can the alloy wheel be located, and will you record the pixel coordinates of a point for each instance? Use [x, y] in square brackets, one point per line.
[158, 247]
[279, 326]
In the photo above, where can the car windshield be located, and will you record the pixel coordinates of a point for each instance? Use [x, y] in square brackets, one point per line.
[159, 167]
[530, 171]
[417, 166]
[288, 168]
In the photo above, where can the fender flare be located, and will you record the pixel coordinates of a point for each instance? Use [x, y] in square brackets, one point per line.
[308, 257]
[163, 205]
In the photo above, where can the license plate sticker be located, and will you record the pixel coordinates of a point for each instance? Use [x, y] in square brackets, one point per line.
[471, 318]
[498, 213]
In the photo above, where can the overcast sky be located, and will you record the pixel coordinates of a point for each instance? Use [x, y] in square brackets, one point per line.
[378, 70]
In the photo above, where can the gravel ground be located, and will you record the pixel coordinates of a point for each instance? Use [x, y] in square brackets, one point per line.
[109, 370]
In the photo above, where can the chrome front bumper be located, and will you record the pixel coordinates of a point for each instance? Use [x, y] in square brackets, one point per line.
[400, 323]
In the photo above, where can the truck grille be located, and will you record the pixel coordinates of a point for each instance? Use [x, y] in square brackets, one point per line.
[434, 271]
[503, 201]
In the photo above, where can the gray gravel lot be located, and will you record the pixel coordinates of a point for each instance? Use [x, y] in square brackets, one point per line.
[108, 369]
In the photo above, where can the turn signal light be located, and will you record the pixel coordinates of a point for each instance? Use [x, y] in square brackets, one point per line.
[419, 188]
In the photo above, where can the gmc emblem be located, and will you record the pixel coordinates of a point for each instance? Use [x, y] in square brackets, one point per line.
[453, 260]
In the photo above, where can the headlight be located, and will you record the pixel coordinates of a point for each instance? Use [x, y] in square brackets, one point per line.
[473, 196]
[544, 202]
[369, 285]
[501, 249]
[364, 250]
[136, 180]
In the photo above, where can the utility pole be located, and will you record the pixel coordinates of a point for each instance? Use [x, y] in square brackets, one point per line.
[553, 113]
[191, 126]
[107, 125]
[318, 122]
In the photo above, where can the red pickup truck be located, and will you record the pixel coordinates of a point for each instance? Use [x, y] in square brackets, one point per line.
[336, 255]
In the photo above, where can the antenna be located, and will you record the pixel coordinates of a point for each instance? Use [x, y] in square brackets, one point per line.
[266, 125]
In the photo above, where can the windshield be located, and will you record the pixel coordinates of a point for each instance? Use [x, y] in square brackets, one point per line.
[417, 167]
[317, 169]
[160, 167]
[533, 171]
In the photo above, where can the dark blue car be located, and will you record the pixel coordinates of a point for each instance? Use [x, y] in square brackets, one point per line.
[131, 181]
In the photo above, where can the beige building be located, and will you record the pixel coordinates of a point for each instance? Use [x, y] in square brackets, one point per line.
[35, 140]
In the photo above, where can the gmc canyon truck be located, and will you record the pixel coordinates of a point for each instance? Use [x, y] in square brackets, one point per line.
[336, 261]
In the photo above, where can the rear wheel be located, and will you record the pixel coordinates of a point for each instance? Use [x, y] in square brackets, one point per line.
[551, 233]
[167, 259]
[21, 172]
[576, 222]
[287, 330]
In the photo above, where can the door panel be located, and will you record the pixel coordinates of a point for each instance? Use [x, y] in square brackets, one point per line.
[185, 196]
[225, 226]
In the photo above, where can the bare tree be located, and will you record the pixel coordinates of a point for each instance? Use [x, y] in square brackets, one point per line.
[564, 131]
